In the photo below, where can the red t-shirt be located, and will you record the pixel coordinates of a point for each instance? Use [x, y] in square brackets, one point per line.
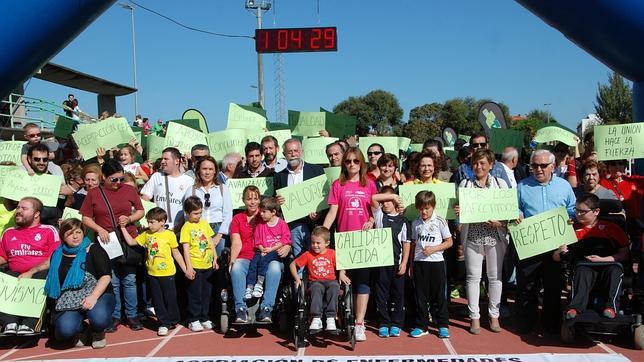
[603, 239]
[240, 225]
[628, 192]
[319, 266]
[122, 202]
[24, 248]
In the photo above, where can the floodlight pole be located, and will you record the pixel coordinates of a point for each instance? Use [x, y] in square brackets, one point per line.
[259, 6]
[136, 86]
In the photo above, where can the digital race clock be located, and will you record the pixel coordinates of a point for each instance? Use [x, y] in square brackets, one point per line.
[290, 40]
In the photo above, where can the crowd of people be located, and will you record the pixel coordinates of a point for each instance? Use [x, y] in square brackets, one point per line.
[172, 251]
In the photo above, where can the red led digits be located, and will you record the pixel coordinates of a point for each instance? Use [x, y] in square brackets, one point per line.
[329, 38]
[287, 40]
[315, 39]
[296, 38]
[282, 39]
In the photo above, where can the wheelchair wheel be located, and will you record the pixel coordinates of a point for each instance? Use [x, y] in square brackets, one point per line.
[638, 337]
[349, 318]
[567, 333]
[300, 328]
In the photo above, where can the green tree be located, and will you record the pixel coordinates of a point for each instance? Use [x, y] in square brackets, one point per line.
[377, 110]
[543, 116]
[614, 103]
[420, 131]
[427, 112]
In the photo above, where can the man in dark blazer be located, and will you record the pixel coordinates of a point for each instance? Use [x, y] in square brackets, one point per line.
[297, 171]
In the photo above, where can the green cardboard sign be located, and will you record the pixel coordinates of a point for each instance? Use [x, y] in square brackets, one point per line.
[619, 142]
[306, 123]
[64, 127]
[339, 125]
[6, 171]
[364, 249]
[280, 135]
[228, 140]
[554, 133]
[480, 205]
[70, 213]
[192, 123]
[453, 157]
[183, 137]
[465, 138]
[236, 187]
[416, 147]
[501, 138]
[250, 118]
[332, 174]
[403, 144]
[147, 206]
[542, 233]
[304, 198]
[156, 144]
[315, 149]
[389, 143]
[10, 151]
[22, 297]
[18, 184]
[445, 194]
[107, 134]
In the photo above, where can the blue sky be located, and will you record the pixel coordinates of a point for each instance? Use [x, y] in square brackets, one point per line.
[421, 51]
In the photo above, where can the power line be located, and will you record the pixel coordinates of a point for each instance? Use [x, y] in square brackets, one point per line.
[190, 27]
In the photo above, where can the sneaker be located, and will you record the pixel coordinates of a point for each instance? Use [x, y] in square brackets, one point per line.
[248, 294]
[383, 332]
[134, 324]
[258, 291]
[394, 332]
[265, 316]
[242, 316]
[11, 329]
[162, 331]
[316, 324]
[207, 325]
[455, 294]
[359, 333]
[24, 330]
[443, 332]
[330, 324]
[195, 326]
[608, 313]
[115, 325]
[98, 340]
[150, 311]
[571, 314]
[417, 332]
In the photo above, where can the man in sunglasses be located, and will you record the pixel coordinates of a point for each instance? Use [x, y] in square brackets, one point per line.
[38, 158]
[540, 192]
[465, 172]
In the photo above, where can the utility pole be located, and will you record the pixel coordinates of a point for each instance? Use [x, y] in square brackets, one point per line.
[136, 86]
[259, 6]
[548, 112]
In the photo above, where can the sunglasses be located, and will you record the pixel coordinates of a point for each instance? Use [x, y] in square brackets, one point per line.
[117, 179]
[374, 153]
[539, 165]
[33, 135]
[41, 159]
[355, 161]
[477, 145]
[207, 197]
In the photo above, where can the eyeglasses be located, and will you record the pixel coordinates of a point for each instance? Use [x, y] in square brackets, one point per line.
[34, 135]
[477, 145]
[41, 159]
[207, 197]
[374, 153]
[117, 179]
[582, 212]
[355, 161]
[539, 165]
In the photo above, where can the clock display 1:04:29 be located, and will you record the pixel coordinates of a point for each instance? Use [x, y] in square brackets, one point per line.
[289, 40]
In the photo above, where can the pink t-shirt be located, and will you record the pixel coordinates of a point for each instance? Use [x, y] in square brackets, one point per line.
[24, 248]
[354, 203]
[267, 236]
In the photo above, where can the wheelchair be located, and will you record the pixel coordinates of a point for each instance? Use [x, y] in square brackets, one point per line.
[345, 322]
[282, 309]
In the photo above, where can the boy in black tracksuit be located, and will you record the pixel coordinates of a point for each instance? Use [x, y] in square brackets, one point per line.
[390, 284]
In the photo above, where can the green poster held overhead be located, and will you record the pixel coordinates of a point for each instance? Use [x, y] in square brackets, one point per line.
[236, 188]
[23, 297]
[619, 141]
[18, 184]
[70, 213]
[307, 124]
[280, 135]
[10, 151]
[445, 194]
[555, 133]
[250, 118]
[64, 127]
[339, 125]
[304, 198]
[542, 233]
[416, 147]
[228, 140]
[183, 137]
[191, 123]
[314, 149]
[390, 144]
[504, 137]
[403, 144]
[364, 249]
[332, 174]
[480, 205]
[156, 144]
[107, 134]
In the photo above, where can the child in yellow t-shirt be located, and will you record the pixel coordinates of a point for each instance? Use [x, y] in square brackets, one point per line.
[200, 258]
[162, 247]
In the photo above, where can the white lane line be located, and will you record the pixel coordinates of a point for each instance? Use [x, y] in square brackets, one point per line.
[605, 347]
[12, 351]
[449, 346]
[300, 351]
[163, 342]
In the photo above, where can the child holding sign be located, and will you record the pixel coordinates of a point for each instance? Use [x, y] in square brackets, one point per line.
[390, 283]
[162, 247]
[430, 236]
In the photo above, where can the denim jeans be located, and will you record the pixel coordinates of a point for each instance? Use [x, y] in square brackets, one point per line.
[273, 276]
[69, 323]
[124, 278]
[259, 266]
[300, 238]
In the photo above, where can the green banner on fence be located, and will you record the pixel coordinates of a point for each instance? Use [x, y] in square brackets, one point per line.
[228, 140]
[314, 149]
[18, 184]
[364, 249]
[480, 205]
[107, 134]
[445, 194]
[304, 198]
[619, 142]
[542, 233]
[10, 151]
[236, 187]
[22, 297]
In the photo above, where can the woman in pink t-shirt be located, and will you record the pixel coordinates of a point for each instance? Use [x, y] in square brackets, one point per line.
[350, 207]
